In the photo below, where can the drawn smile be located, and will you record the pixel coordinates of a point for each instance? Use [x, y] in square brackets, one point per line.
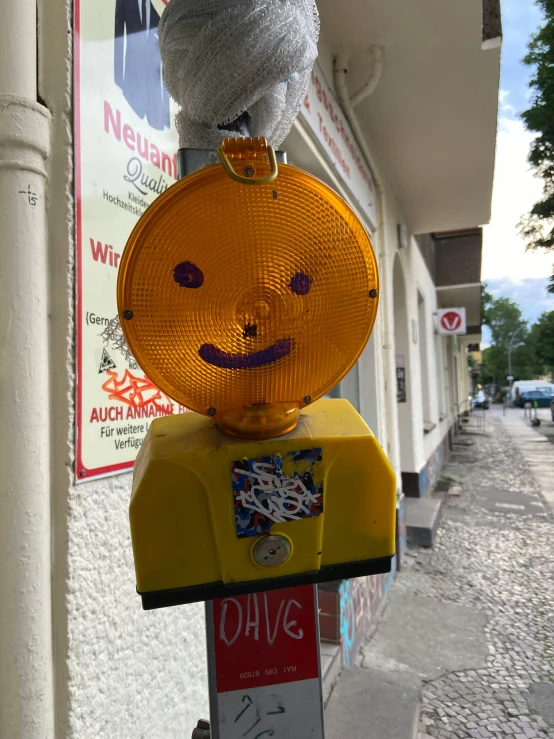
[218, 358]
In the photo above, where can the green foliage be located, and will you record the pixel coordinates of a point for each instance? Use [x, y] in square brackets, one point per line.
[532, 348]
[505, 320]
[486, 301]
[538, 226]
[544, 342]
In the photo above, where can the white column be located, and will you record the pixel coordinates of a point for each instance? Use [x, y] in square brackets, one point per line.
[26, 668]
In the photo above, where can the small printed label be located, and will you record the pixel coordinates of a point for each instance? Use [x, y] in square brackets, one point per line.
[276, 489]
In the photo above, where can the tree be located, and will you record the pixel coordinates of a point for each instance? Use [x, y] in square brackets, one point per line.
[487, 373]
[486, 301]
[544, 349]
[538, 226]
[504, 318]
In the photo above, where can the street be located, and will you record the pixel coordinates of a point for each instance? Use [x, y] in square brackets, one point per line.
[467, 639]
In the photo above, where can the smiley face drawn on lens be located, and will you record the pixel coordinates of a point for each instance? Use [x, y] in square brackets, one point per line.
[300, 284]
[187, 274]
[242, 300]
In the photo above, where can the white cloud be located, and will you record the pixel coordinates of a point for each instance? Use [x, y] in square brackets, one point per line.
[530, 294]
[515, 191]
[506, 108]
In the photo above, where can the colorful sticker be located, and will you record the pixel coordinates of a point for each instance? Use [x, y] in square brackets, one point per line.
[277, 489]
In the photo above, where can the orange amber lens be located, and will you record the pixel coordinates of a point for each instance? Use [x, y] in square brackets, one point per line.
[247, 295]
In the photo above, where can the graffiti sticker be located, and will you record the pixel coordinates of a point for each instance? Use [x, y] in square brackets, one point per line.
[276, 489]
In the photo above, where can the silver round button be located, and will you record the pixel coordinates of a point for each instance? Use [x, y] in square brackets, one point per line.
[271, 551]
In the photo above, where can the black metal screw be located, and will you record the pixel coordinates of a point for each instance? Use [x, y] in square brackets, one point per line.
[373, 293]
[128, 314]
[249, 171]
[211, 411]
[307, 399]
[82, 473]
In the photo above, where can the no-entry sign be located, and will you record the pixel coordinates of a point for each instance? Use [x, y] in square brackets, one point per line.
[264, 670]
[452, 321]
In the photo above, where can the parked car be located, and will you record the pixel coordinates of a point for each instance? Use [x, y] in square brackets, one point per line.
[542, 398]
[524, 386]
[480, 400]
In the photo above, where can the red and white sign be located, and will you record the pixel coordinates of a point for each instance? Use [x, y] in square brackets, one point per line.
[265, 670]
[328, 124]
[452, 321]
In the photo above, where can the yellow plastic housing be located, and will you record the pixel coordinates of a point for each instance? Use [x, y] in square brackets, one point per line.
[234, 297]
[183, 517]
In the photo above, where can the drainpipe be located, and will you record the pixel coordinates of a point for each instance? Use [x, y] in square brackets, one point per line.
[347, 104]
[26, 665]
[373, 79]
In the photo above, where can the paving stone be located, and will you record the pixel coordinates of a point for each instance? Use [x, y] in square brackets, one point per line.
[499, 564]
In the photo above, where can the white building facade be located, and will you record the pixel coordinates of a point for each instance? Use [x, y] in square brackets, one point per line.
[413, 154]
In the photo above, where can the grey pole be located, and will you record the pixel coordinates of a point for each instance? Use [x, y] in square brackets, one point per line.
[510, 345]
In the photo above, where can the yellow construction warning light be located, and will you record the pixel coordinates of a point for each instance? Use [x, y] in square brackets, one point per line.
[215, 516]
[248, 303]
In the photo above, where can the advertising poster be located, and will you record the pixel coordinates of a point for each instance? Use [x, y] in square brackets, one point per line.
[125, 156]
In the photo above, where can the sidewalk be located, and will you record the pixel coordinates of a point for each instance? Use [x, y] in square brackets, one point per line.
[535, 448]
[465, 647]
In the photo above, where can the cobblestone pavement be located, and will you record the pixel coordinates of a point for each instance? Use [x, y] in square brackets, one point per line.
[547, 424]
[543, 414]
[499, 559]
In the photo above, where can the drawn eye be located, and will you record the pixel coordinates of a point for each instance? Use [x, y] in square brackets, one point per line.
[187, 274]
[300, 284]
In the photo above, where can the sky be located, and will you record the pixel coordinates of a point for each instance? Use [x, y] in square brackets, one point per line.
[508, 269]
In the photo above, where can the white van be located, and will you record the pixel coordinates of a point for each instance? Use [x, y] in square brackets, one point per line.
[524, 385]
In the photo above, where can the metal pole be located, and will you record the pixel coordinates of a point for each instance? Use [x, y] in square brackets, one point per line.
[510, 345]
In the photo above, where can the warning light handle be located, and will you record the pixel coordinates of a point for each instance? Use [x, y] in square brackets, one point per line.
[242, 179]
